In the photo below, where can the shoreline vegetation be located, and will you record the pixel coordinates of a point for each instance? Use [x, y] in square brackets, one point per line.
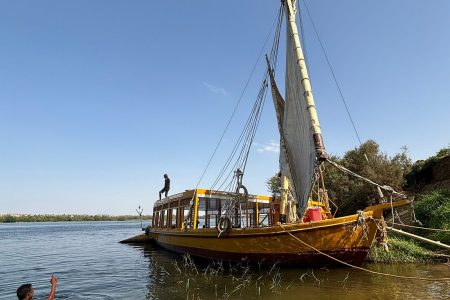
[433, 210]
[8, 218]
[404, 250]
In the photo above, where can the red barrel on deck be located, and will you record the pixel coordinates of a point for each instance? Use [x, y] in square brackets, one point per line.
[312, 214]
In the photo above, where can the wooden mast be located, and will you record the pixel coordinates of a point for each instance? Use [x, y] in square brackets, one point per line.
[300, 58]
[284, 217]
[321, 155]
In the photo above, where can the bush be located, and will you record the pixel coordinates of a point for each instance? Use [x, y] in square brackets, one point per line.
[401, 250]
[433, 210]
[350, 193]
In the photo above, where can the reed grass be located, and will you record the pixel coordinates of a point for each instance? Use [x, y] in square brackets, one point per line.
[401, 250]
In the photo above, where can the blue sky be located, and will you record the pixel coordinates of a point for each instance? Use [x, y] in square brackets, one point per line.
[98, 99]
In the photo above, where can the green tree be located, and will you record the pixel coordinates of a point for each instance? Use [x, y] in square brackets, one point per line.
[274, 185]
[8, 219]
[350, 193]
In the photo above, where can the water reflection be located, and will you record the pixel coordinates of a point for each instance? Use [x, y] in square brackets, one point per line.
[91, 264]
[172, 276]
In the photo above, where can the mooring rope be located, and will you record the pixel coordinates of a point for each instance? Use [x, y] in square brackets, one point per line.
[384, 187]
[418, 227]
[361, 268]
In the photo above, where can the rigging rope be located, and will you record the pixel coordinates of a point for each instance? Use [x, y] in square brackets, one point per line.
[332, 72]
[250, 132]
[245, 140]
[244, 136]
[390, 190]
[237, 104]
[302, 35]
[383, 187]
[252, 122]
[361, 268]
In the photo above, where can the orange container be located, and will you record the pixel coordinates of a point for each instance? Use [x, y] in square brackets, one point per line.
[314, 213]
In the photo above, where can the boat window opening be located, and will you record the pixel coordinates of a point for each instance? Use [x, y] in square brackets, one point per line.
[155, 219]
[244, 215]
[250, 218]
[168, 217]
[174, 217]
[186, 210]
[162, 218]
[214, 210]
[235, 217]
[265, 216]
[180, 217]
[201, 213]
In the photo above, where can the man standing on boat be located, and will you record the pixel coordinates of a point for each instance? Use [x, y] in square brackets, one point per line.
[166, 187]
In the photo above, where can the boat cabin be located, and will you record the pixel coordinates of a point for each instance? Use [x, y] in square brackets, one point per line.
[207, 208]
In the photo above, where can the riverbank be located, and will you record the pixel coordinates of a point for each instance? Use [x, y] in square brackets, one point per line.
[402, 250]
[67, 218]
[432, 209]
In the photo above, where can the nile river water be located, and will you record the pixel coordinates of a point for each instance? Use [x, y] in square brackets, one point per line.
[91, 264]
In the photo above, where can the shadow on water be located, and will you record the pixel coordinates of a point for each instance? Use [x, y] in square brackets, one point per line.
[175, 276]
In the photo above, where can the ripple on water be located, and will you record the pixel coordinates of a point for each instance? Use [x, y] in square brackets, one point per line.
[91, 264]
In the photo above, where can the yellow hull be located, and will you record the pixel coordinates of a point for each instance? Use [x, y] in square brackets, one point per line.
[344, 238]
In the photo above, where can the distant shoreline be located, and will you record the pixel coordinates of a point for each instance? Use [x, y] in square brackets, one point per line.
[68, 218]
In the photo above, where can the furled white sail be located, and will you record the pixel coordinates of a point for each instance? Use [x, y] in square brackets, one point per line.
[297, 127]
[279, 103]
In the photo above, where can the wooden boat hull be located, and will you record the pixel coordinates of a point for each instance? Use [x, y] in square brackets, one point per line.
[347, 239]
[354, 256]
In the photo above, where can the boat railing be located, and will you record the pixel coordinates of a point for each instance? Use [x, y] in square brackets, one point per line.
[206, 210]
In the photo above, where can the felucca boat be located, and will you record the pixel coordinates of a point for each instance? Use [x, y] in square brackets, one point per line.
[296, 226]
